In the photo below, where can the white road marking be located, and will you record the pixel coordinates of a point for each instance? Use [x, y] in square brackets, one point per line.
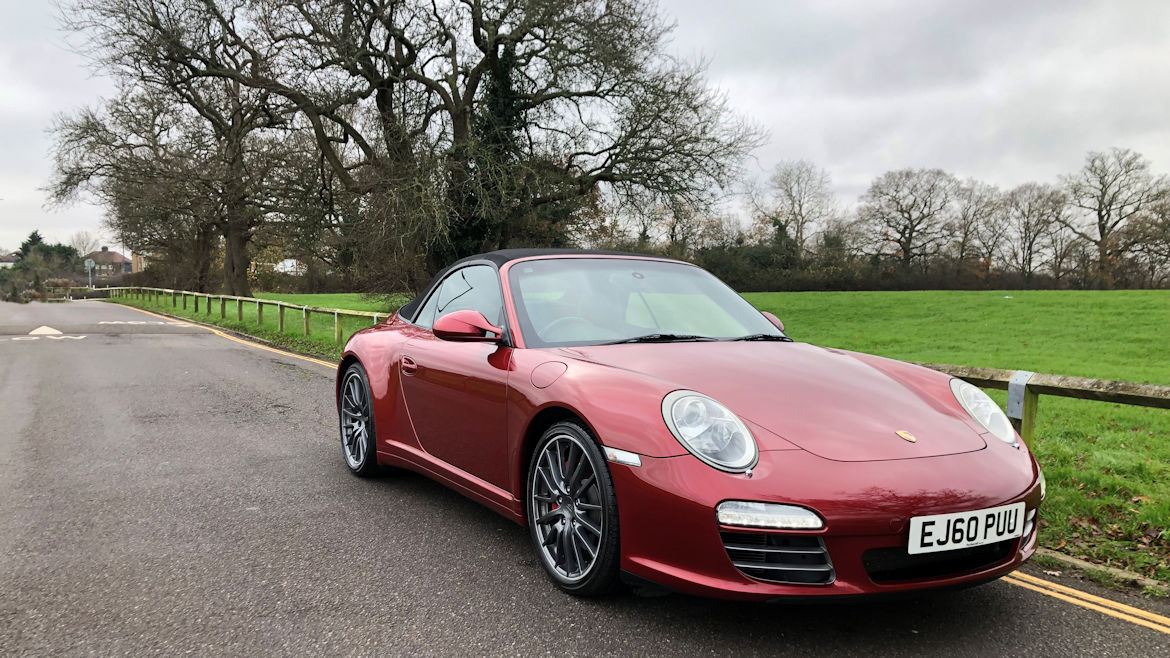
[44, 331]
[26, 338]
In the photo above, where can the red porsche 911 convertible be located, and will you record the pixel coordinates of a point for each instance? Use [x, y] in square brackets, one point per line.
[649, 425]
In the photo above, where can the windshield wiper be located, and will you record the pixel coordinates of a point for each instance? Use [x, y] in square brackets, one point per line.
[661, 338]
[779, 339]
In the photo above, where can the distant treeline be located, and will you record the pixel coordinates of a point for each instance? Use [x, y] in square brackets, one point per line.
[1104, 226]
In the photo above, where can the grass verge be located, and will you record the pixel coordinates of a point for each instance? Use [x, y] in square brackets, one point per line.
[319, 343]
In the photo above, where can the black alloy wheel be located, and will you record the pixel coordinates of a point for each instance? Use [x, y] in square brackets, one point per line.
[572, 511]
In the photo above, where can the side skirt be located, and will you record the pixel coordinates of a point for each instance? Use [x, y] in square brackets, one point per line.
[483, 492]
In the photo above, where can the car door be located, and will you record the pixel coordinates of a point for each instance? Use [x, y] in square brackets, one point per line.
[455, 392]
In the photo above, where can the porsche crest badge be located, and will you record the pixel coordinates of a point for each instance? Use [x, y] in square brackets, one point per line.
[907, 435]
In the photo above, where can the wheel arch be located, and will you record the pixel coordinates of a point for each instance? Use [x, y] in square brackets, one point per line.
[346, 361]
[541, 421]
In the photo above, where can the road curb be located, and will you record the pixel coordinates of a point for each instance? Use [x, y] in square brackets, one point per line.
[1127, 577]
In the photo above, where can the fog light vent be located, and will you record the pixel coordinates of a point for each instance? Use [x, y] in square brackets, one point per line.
[789, 559]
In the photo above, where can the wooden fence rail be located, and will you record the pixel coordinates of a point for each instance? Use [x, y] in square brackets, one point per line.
[1024, 388]
[179, 297]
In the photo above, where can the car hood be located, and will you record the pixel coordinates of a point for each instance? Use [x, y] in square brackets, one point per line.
[838, 405]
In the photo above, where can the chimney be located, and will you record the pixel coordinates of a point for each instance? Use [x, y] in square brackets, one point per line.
[105, 248]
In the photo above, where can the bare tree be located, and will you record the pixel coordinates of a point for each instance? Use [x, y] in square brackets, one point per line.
[799, 199]
[138, 44]
[907, 212]
[84, 242]
[152, 168]
[1064, 250]
[1112, 188]
[975, 208]
[1150, 236]
[1032, 209]
[496, 112]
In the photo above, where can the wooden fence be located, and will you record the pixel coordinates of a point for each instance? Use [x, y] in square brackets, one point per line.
[178, 298]
[1024, 388]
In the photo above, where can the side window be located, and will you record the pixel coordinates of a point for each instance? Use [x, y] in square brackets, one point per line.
[426, 315]
[476, 288]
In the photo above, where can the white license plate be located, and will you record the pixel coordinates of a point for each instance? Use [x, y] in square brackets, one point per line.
[948, 532]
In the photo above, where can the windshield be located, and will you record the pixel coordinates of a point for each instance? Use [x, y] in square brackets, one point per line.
[592, 301]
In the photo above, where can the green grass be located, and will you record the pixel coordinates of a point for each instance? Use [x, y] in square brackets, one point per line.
[348, 300]
[1108, 466]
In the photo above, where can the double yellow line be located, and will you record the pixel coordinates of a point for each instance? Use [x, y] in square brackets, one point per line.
[1085, 600]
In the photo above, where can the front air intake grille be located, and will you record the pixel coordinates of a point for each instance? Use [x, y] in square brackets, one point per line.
[887, 565]
[790, 559]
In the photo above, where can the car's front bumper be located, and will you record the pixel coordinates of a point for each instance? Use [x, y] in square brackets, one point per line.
[670, 536]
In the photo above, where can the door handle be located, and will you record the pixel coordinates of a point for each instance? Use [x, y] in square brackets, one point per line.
[409, 367]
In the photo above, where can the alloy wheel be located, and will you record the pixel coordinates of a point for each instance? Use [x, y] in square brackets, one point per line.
[355, 418]
[566, 507]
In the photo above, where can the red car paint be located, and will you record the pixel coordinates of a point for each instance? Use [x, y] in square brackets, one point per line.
[467, 413]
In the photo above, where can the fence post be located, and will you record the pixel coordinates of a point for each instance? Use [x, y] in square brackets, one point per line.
[259, 314]
[222, 308]
[336, 327]
[196, 296]
[174, 299]
[305, 315]
[239, 310]
[184, 296]
[280, 318]
[1021, 406]
[209, 305]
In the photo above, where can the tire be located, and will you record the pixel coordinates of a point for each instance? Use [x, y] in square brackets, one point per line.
[358, 438]
[572, 514]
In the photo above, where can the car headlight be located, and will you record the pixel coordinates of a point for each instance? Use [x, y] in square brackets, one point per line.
[984, 410]
[709, 431]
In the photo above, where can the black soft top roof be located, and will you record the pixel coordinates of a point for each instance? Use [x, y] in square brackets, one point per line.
[498, 258]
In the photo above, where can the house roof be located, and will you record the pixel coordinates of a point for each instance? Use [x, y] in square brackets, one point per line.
[107, 257]
[7, 257]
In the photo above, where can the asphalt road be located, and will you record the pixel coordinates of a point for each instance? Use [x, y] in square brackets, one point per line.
[166, 490]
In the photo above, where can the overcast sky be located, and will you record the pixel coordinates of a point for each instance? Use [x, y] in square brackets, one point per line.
[1003, 91]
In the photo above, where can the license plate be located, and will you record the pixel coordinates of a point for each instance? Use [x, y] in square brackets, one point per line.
[948, 532]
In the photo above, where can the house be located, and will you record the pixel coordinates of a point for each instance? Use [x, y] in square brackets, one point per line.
[109, 263]
[290, 266]
[139, 262]
[7, 259]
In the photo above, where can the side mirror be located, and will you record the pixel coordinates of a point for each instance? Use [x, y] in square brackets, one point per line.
[466, 326]
[774, 320]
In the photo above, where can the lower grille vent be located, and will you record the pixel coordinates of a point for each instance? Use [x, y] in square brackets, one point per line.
[885, 565]
[790, 559]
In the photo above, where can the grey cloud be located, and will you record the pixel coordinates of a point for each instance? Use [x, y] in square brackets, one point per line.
[1003, 91]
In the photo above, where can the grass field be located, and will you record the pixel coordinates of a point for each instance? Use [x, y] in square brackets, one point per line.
[347, 300]
[1108, 466]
